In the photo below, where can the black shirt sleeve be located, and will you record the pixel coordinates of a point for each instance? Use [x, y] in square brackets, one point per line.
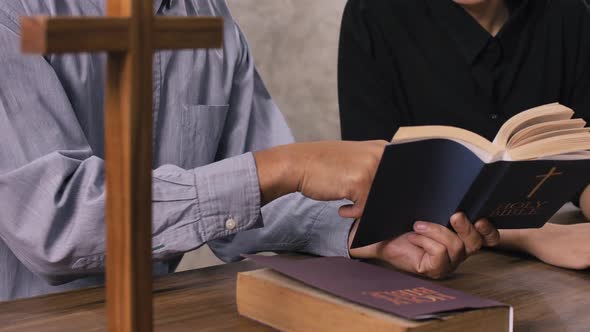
[364, 86]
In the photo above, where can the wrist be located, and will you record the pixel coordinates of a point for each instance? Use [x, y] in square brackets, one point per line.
[517, 239]
[276, 175]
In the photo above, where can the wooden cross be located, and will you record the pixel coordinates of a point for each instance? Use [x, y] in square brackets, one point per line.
[544, 178]
[129, 34]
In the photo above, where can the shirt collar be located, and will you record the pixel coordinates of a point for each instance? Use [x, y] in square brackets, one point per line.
[470, 37]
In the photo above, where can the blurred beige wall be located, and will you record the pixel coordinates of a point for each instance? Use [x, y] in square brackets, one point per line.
[295, 46]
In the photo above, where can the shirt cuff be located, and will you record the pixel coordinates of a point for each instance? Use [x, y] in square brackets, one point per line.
[226, 201]
[329, 233]
[229, 196]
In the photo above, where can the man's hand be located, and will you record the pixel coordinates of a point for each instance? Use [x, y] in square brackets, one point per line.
[432, 250]
[565, 246]
[323, 171]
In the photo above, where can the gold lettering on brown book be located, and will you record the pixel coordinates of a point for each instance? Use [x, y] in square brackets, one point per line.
[410, 296]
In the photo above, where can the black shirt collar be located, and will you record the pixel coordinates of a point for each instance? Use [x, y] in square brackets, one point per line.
[470, 37]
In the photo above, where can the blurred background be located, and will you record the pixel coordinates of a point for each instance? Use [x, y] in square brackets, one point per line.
[295, 46]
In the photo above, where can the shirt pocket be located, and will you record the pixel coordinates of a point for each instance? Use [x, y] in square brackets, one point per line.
[201, 128]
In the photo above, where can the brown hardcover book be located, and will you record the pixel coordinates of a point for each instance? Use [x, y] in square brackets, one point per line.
[337, 294]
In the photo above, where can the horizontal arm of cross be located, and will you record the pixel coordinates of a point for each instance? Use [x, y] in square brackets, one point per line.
[44, 35]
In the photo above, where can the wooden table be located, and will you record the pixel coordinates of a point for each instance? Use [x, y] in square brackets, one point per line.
[545, 298]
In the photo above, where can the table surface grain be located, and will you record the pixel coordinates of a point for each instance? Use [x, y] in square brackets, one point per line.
[545, 298]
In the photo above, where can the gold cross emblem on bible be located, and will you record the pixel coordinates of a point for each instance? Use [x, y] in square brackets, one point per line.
[129, 34]
[544, 178]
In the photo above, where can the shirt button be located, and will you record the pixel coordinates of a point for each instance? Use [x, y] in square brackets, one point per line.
[494, 116]
[230, 224]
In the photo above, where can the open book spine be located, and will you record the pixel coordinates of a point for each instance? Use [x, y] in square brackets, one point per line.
[481, 190]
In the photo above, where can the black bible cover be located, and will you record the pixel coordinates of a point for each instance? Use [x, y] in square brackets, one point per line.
[432, 179]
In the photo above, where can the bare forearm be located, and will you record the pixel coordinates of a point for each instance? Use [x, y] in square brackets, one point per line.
[323, 171]
[559, 245]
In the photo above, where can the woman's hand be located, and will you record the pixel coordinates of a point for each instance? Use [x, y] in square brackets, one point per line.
[565, 246]
[431, 250]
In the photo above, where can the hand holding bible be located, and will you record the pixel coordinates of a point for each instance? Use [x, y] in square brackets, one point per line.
[322, 171]
[432, 250]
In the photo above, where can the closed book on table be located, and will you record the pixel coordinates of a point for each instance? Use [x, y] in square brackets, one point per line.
[538, 162]
[338, 294]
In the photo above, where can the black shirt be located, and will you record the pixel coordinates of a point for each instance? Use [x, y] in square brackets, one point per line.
[428, 62]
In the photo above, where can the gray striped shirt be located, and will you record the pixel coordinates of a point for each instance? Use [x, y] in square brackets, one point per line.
[210, 110]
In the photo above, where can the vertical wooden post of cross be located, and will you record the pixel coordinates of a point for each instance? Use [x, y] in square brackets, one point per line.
[129, 34]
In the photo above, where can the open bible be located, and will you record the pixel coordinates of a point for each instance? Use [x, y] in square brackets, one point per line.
[538, 161]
